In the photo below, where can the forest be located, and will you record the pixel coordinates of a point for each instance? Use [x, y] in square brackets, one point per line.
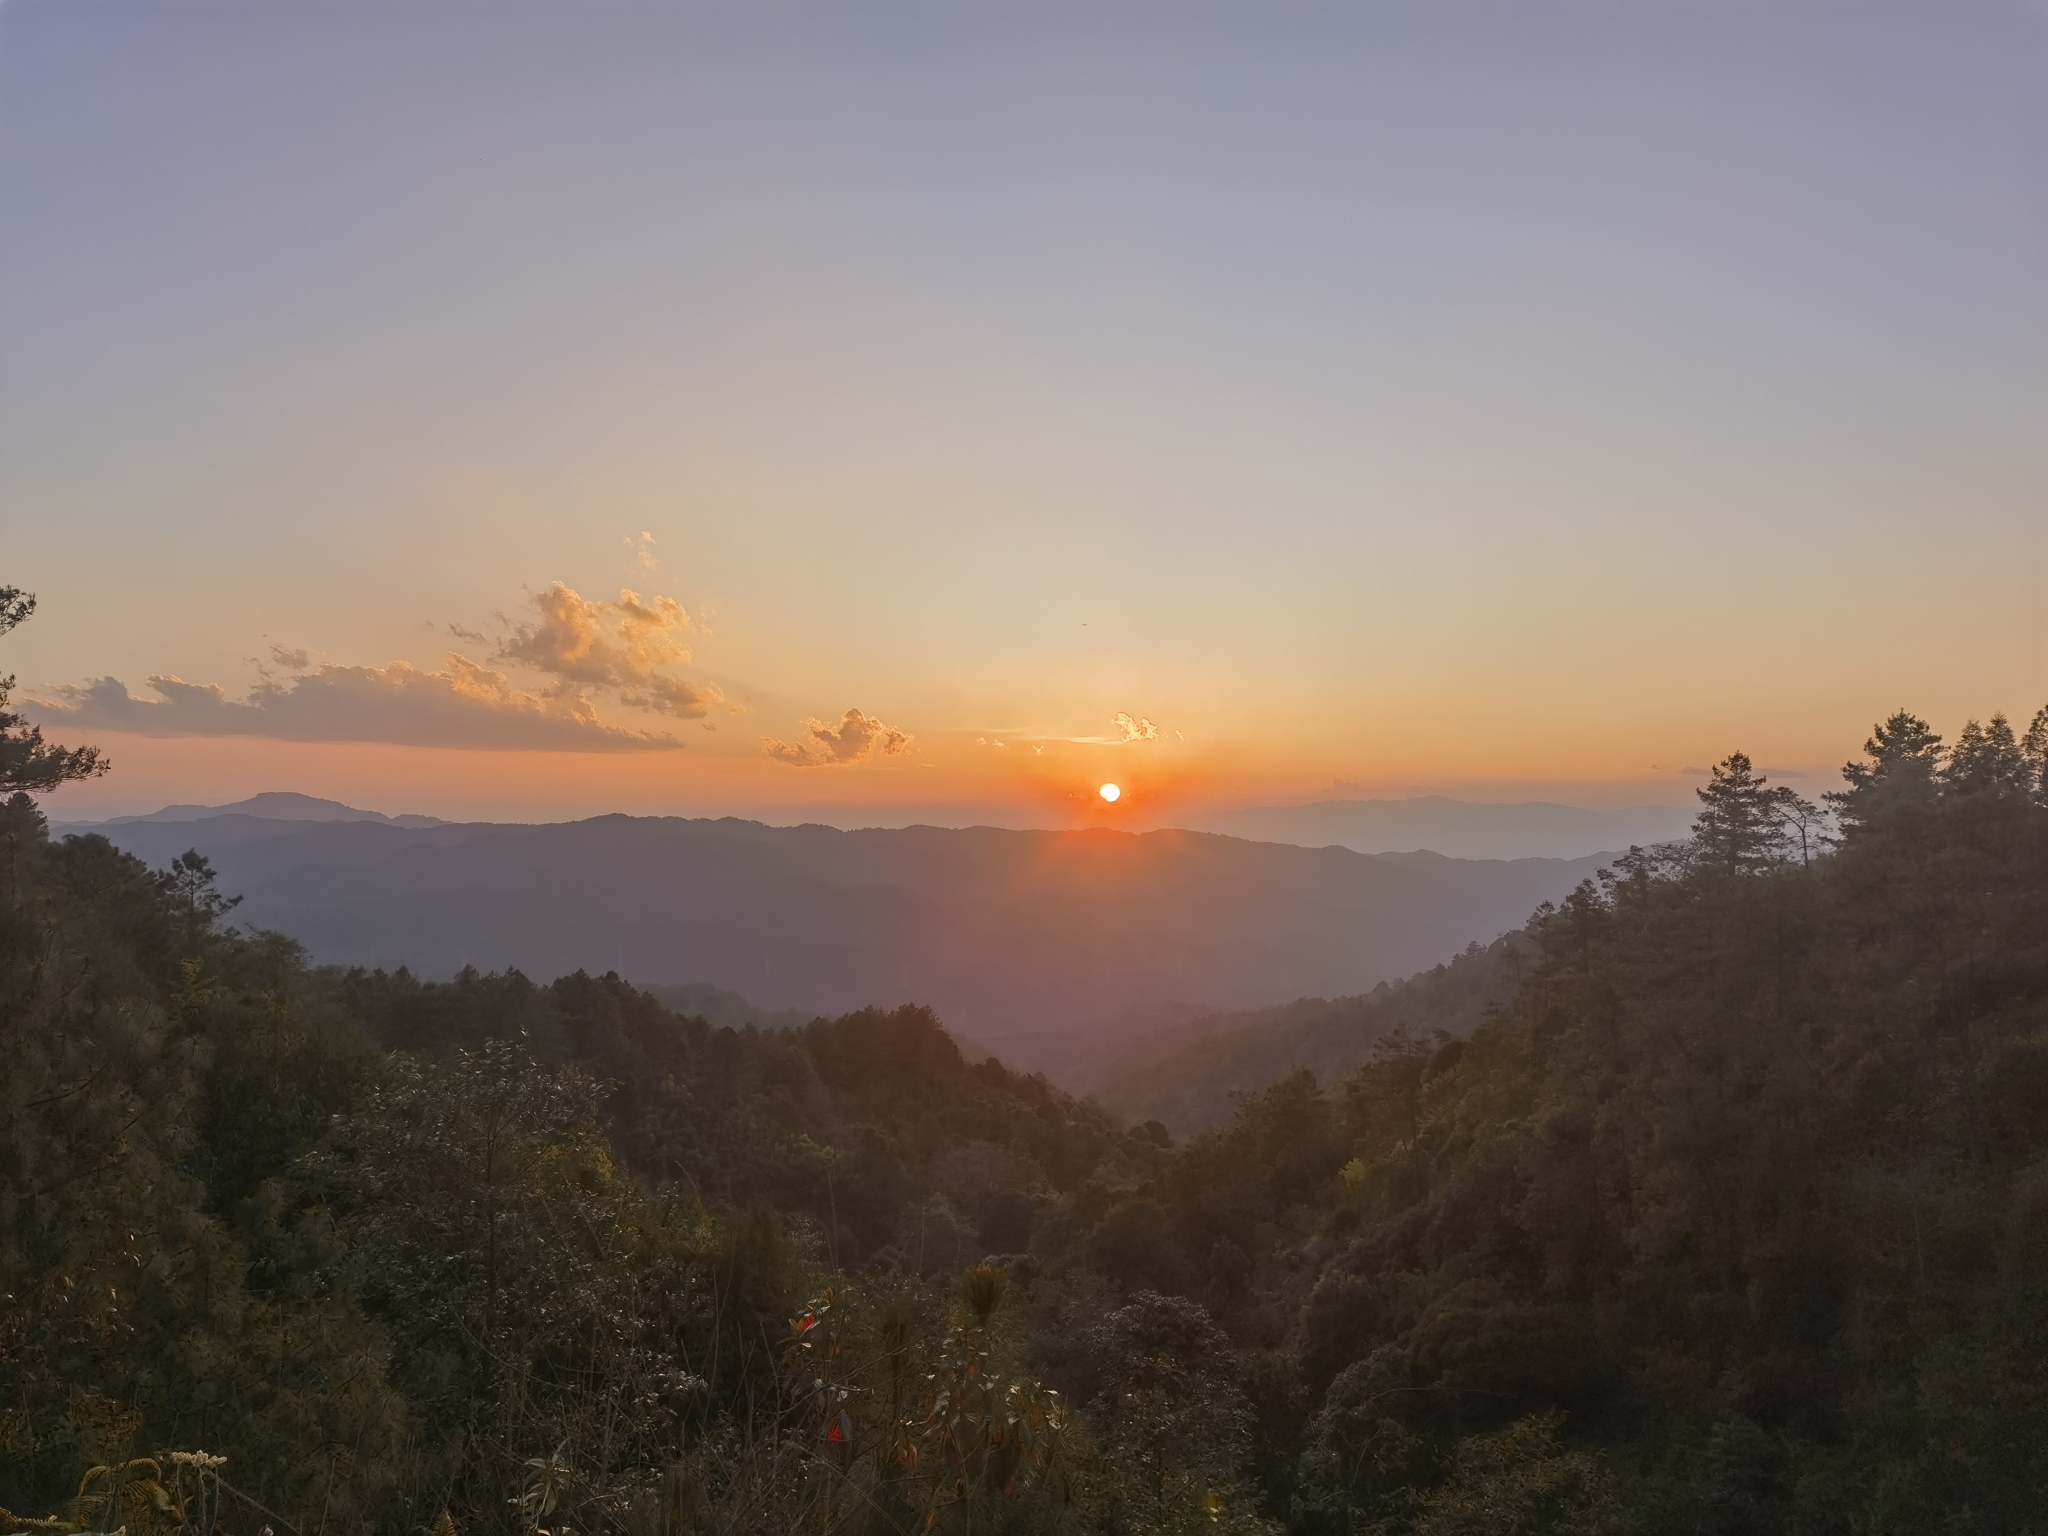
[1729, 1215]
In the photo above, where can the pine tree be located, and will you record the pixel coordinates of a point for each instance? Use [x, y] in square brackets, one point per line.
[28, 765]
[1987, 760]
[1904, 766]
[1741, 827]
[2034, 750]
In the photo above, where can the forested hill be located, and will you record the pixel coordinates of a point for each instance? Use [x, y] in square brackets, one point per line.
[1734, 1217]
[1730, 1215]
[1190, 1077]
[873, 1126]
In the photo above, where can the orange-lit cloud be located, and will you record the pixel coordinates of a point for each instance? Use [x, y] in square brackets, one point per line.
[854, 739]
[620, 645]
[1126, 729]
[466, 705]
[581, 645]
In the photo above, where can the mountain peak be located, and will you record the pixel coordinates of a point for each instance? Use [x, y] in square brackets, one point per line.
[279, 805]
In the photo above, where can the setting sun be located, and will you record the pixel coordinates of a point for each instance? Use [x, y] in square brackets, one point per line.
[1109, 792]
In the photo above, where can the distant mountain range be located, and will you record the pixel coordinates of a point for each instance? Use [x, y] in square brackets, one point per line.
[271, 805]
[1460, 829]
[1014, 937]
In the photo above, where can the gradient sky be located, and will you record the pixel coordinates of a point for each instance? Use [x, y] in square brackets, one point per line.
[1530, 400]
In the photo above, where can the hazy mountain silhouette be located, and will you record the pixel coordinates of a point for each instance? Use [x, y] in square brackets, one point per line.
[1007, 934]
[1462, 829]
[271, 805]
[715, 1005]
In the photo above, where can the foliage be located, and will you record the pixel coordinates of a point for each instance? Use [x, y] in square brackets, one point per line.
[28, 764]
[1520, 1482]
[1188, 1080]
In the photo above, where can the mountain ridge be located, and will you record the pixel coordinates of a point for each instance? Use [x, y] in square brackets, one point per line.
[1455, 828]
[269, 805]
[1008, 934]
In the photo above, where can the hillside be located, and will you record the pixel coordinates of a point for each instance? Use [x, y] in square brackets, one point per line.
[855, 1122]
[1731, 1219]
[715, 1005]
[1005, 934]
[1190, 1077]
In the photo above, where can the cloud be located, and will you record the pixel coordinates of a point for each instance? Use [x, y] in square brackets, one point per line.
[464, 632]
[1126, 728]
[613, 645]
[466, 705]
[856, 738]
[673, 696]
[579, 646]
[642, 546]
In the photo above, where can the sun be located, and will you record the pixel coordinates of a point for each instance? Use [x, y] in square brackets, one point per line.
[1109, 792]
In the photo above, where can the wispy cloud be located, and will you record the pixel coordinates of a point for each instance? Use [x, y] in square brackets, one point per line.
[291, 658]
[643, 556]
[856, 738]
[465, 705]
[1127, 727]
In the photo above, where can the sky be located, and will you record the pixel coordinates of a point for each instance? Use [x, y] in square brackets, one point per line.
[875, 411]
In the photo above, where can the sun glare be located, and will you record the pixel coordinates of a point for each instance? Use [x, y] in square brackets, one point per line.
[1109, 792]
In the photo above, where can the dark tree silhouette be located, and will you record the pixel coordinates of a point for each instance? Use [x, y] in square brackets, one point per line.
[28, 764]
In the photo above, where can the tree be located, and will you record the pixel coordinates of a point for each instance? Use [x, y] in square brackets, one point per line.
[1904, 767]
[190, 883]
[545, 1307]
[2034, 751]
[15, 606]
[28, 764]
[1522, 1482]
[1988, 761]
[1799, 820]
[1744, 823]
[1175, 1425]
